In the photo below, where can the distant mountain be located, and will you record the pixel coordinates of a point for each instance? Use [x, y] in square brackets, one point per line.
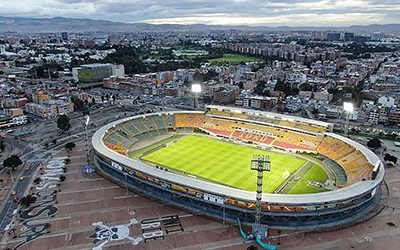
[60, 24]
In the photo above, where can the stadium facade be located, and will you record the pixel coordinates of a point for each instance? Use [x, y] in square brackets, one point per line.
[359, 172]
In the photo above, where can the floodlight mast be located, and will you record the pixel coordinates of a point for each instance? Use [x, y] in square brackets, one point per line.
[349, 109]
[260, 163]
[196, 90]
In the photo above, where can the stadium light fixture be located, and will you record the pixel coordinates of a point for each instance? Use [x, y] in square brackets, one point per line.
[196, 88]
[348, 107]
[260, 163]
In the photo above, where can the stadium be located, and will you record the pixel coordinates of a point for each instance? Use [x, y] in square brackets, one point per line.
[200, 161]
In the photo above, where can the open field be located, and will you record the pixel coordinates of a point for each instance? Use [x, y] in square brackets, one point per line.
[233, 59]
[223, 162]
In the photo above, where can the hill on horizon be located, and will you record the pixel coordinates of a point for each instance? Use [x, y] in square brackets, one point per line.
[60, 24]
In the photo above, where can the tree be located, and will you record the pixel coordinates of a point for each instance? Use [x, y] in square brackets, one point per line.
[390, 158]
[108, 97]
[62, 178]
[70, 145]
[27, 200]
[114, 98]
[260, 88]
[93, 101]
[305, 87]
[63, 123]
[374, 143]
[79, 104]
[12, 162]
[102, 98]
[37, 181]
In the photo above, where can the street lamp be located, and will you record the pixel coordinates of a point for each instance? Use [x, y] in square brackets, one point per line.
[348, 107]
[87, 120]
[196, 89]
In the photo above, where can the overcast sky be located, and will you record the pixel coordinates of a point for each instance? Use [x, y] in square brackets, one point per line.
[226, 12]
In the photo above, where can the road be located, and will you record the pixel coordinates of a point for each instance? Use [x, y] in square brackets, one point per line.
[6, 214]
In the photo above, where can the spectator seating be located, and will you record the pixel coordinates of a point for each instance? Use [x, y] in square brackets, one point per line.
[188, 120]
[348, 164]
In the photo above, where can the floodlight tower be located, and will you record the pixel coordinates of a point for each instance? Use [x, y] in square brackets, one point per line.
[349, 109]
[196, 89]
[260, 163]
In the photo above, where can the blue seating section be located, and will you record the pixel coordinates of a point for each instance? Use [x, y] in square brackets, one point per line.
[129, 132]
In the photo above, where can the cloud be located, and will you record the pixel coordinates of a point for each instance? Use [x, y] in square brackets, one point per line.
[234, 12]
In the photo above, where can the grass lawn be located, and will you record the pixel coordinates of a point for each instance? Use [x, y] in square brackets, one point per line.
[223, 162]
[316, 173]
[233, 59]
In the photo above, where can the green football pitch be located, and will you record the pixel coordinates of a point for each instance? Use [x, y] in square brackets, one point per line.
[223, 162]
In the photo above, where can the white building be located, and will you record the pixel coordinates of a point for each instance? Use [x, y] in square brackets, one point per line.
[118, 70]
[323, 96]
[386, 101]
[75, 73]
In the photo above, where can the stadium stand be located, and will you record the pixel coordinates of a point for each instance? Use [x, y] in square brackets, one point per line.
[334, 148]
[185, 120]
[271, 120]
[341, 178]
[348, 164]
[252, 137]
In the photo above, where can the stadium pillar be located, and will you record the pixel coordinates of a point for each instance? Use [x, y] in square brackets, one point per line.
[260, 163]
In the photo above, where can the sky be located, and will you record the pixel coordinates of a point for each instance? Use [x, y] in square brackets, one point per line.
[216, 12]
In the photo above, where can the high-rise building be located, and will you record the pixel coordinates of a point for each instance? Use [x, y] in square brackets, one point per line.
[333, 36]
[64, 36]
[361, 39]
[348, 36]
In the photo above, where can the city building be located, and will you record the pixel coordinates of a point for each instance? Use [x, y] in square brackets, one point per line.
[96, 72]
[51, 109]
[225, 94]
[348, 37]
[333, 36]
[260, 102]
[64, 36]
